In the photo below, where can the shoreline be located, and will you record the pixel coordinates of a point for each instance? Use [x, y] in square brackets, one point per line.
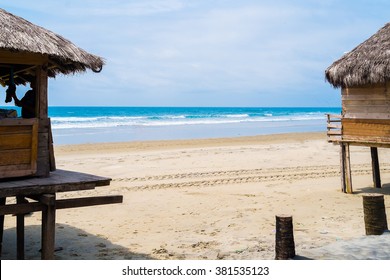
[195, 142]
[209, 199]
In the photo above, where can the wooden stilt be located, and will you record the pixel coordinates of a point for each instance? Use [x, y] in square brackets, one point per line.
[374, 214]
[51, 150]
[342, 168]
[20, 230]
[348, 172]
[345, 165]
[375, 167]
[48, 226]
[284, 239]
[2, 202]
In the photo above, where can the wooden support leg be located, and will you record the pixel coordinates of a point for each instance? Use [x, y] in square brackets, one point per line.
[342, 168]
[375, 168]
[346, 175]
[20, 230]
[48, 226]
[2, 202]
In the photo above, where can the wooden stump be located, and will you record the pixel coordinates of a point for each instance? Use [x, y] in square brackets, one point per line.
[374, 214]
[284, 239]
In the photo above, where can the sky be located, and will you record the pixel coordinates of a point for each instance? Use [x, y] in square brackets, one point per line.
[225, 53]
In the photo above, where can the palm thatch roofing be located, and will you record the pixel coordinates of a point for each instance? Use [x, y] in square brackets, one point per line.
[367, 64]
[20, 35]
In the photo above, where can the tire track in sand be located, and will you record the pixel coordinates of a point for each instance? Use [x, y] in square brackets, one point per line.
[206, 179]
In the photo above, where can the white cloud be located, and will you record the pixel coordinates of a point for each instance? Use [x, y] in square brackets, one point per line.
[177, 47]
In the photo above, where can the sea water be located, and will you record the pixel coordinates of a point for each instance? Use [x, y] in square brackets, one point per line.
[77, 125]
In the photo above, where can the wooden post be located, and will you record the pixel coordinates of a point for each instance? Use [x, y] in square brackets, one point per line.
[41, 90]
[20, 230]
[43, 160]
[48, 226]
[375, 167]
[284, 240]
[374, 214]
[2, 202]
[345, 165]
[342, 168]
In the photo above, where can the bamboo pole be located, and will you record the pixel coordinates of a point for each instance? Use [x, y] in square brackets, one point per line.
[374, 214]
[284, 239]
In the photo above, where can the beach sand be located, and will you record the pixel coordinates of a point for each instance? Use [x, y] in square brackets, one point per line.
[210, 199]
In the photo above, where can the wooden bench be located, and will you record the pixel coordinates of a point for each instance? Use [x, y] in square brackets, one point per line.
[43, 192]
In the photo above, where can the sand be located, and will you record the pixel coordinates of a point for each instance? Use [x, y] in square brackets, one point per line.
[211, 199]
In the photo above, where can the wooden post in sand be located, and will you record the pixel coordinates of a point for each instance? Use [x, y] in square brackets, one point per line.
[376, 174]
[284, 240]
[345, 165]
[374, 214]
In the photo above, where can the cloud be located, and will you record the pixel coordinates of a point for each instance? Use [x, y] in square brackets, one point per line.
[161, 49]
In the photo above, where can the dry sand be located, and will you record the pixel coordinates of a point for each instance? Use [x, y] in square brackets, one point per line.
[208, 199]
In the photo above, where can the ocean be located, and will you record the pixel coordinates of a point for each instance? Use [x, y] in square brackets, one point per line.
[78, 125]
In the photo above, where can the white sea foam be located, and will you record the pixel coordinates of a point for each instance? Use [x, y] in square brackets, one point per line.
[171, 120]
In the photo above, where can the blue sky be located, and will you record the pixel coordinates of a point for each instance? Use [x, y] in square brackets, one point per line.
[205, 52]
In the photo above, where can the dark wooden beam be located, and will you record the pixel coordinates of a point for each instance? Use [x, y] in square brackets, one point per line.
[17, 209]
[20, 230]
[376, 174]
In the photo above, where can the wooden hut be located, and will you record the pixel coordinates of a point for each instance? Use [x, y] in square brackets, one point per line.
[29, 52]
[32, 54]
[363, 75]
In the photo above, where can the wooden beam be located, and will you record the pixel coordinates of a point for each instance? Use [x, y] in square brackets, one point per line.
[8, 57]
[375, 167]
[88, 201]
[17, 209]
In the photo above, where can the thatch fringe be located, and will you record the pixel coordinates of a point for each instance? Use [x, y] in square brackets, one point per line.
[367, 64]
[18, 34]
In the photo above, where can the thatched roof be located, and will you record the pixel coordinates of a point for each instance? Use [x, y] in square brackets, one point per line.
[20, 35]
[367, 64]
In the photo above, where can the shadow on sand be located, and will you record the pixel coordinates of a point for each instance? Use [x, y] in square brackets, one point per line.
[71, 244]
[385, 190]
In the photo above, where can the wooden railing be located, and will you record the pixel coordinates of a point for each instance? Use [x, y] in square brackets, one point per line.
[334, 128]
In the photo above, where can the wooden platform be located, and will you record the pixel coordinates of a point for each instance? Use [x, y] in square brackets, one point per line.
[43, 193]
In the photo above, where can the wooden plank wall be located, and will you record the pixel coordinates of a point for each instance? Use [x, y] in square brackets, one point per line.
[18, 148]
[369, 102]
[366, 130]
[366, 114]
